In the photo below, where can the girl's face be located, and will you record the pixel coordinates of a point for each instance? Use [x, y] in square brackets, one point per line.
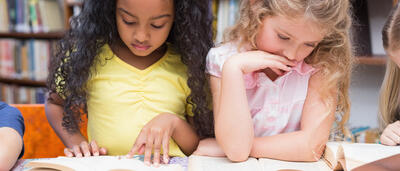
[293, 39]
[144, 25]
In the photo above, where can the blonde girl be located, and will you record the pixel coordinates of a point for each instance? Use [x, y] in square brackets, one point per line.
[279, 79]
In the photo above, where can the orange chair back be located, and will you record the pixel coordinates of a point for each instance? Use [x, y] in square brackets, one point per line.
[40, 139]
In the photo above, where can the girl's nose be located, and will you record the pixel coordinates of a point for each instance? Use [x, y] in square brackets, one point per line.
[292, 52]
[141, 36]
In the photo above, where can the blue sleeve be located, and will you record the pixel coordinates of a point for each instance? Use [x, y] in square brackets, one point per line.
[12, 118]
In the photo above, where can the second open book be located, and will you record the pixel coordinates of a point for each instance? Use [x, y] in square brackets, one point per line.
[96, 163]
[337, 156]
[347, 156]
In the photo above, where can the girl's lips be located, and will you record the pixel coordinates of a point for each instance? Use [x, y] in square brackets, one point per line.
[140, 47]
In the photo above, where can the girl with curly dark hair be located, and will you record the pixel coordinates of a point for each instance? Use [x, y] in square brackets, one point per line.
[137, 69]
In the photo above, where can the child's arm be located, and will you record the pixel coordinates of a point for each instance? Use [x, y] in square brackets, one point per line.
[233, 126]
[10, 147]
[209, 147]
[233, 123]
[185, 136]
[76, 144]
[308, 143]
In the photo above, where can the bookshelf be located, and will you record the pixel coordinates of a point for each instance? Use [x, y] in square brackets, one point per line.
[40, 29]
[23, 82]
[51, 35]
[372, 60]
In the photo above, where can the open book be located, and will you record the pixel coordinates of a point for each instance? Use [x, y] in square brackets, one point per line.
[347, 156]
[97, 163]
[337, 156]
[203, 163]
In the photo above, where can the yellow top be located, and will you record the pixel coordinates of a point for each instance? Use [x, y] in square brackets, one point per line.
[122, 99]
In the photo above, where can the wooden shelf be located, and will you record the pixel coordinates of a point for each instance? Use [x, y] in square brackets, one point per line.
[372, 60]
[51, 35]
[23, 82]
[71, 4]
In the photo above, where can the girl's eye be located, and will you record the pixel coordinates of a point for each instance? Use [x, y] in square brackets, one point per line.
[157, 26]
[310, 45]
[283, 37]
[128, 23]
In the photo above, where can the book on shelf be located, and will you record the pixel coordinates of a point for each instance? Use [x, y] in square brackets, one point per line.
[25, 59]
[97, 163]
[227, 14]
[3, 16]
[31, 16]
[337, 156]
[13, 94]
[51, 16]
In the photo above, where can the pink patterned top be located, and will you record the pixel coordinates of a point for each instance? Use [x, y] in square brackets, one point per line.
[275, 106]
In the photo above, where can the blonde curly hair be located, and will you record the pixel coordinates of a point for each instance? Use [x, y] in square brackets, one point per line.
[333, 56]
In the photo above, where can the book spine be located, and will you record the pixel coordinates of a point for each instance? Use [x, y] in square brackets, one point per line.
[11, 14]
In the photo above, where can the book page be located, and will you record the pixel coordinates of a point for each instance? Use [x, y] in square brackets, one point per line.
[331, 155]
[204, 163]
[357, 154]
[98, 163]
[279, 165]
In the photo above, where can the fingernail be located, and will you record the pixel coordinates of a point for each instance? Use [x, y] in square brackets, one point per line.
[166, 160]
[96, 153]
[156, 164]
[79, 155]
[87, 154]
[147, 163]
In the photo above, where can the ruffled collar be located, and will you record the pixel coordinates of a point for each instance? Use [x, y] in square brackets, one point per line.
[303, 68]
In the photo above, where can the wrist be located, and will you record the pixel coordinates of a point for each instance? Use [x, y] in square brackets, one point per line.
[75, 139]
[232, 65]
[176, 122]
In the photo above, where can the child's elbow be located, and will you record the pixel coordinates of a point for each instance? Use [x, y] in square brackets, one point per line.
[313, 156]
[4, 165]
[236, 154]
[236, 151]
[314, 152]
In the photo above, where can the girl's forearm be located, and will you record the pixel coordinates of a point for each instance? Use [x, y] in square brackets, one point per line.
[54, 115]
[293, 146]
[185, 136]
[233, 123]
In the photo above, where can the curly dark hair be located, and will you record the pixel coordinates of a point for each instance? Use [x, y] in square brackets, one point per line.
[191, 35]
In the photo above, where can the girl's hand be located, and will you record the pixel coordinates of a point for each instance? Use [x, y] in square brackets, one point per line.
[391, 134]
[154, 135]
[209, 147]
[258, 60]
[85, 149]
